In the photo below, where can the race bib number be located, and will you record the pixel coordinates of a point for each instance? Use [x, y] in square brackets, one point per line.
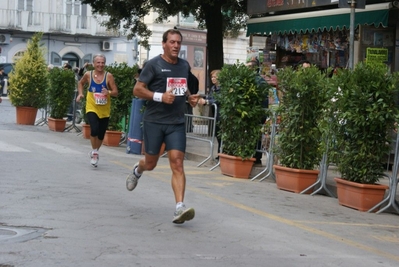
[178, 86]
[100, 99]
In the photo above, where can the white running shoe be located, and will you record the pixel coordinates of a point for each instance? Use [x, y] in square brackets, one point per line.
[132, 179]
[94, 158]
[183, 214]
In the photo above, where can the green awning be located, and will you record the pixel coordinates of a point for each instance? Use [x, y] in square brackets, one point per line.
[319, 20]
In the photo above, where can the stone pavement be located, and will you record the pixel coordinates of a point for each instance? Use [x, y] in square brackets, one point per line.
[57, 210]
[198, 151]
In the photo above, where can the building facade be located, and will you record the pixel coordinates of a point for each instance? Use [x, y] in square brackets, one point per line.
[73, 34]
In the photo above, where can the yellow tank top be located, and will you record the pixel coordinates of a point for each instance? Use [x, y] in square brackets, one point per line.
[95, 101]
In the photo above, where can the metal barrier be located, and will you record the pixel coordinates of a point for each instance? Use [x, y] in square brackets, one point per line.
[266, 146]
[202, 128]
[322, 178]
[393, 185]
[43, 119]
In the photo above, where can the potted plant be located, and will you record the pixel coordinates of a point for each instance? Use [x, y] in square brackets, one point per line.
[365, 115]
[59, 95]
[28, 82]
[241, 96]
[304, 98]
[120, 106]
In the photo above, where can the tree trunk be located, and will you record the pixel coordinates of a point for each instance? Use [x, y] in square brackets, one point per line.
[214, 25]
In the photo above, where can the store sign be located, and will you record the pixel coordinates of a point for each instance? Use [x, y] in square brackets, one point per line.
[266, 6]
[376, 55]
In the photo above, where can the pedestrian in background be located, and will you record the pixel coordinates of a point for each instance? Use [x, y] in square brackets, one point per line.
[3, 77]
[83, 69]
[210, 100]
[255, 65]
[193, 87]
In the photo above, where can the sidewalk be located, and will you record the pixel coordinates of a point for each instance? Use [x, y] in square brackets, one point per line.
[198, 151]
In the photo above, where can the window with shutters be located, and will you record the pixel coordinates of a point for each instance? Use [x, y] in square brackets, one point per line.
[75, 7]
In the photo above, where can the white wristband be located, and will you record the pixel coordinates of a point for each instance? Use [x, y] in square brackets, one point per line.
[157, 97]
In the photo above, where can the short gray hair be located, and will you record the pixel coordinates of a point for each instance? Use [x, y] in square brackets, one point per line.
[100, 55]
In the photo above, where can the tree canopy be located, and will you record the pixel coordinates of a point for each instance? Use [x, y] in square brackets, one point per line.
[221, 18]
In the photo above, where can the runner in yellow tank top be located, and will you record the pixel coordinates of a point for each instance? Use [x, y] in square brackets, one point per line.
[98, 102]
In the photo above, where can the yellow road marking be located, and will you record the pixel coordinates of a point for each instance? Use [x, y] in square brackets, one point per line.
[352, 224]
[392, 239]
[298, 224]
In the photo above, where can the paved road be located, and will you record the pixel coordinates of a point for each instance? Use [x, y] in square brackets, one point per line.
[56, 210]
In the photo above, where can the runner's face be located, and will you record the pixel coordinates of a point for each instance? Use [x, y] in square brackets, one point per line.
[99, 63]
[172, 46]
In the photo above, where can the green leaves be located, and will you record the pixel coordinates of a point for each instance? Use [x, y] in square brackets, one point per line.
[241, 96]
[60, 93]
[302, 108]
[365, 113]
[124, 79]
[28, 81]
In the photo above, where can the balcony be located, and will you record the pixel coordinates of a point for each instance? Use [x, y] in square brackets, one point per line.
[29, 21]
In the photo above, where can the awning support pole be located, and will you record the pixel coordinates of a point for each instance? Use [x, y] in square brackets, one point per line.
[352, 34]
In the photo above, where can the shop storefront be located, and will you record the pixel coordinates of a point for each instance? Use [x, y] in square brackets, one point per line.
[322, 36]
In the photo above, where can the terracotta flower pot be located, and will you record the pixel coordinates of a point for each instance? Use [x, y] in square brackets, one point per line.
[295, 180]
[112, 138]
[86, 131]
[358, 196]
[57, 125]
[235, 167]
[26, 115]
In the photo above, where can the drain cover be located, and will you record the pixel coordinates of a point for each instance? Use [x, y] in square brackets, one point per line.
[12, 234]
[4, 232]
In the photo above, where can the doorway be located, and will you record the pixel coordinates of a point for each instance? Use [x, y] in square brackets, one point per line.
[72, 59]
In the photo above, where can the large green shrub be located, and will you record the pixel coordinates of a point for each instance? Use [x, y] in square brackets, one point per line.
[120, 106]
[60, 93]
[28, 80]
[302, 106]
[241, 96]
[364, 118]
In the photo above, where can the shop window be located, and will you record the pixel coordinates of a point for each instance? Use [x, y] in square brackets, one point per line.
[377, 44]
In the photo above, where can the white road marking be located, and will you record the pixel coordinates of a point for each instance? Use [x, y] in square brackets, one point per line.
[58, 148]
[11, 148]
